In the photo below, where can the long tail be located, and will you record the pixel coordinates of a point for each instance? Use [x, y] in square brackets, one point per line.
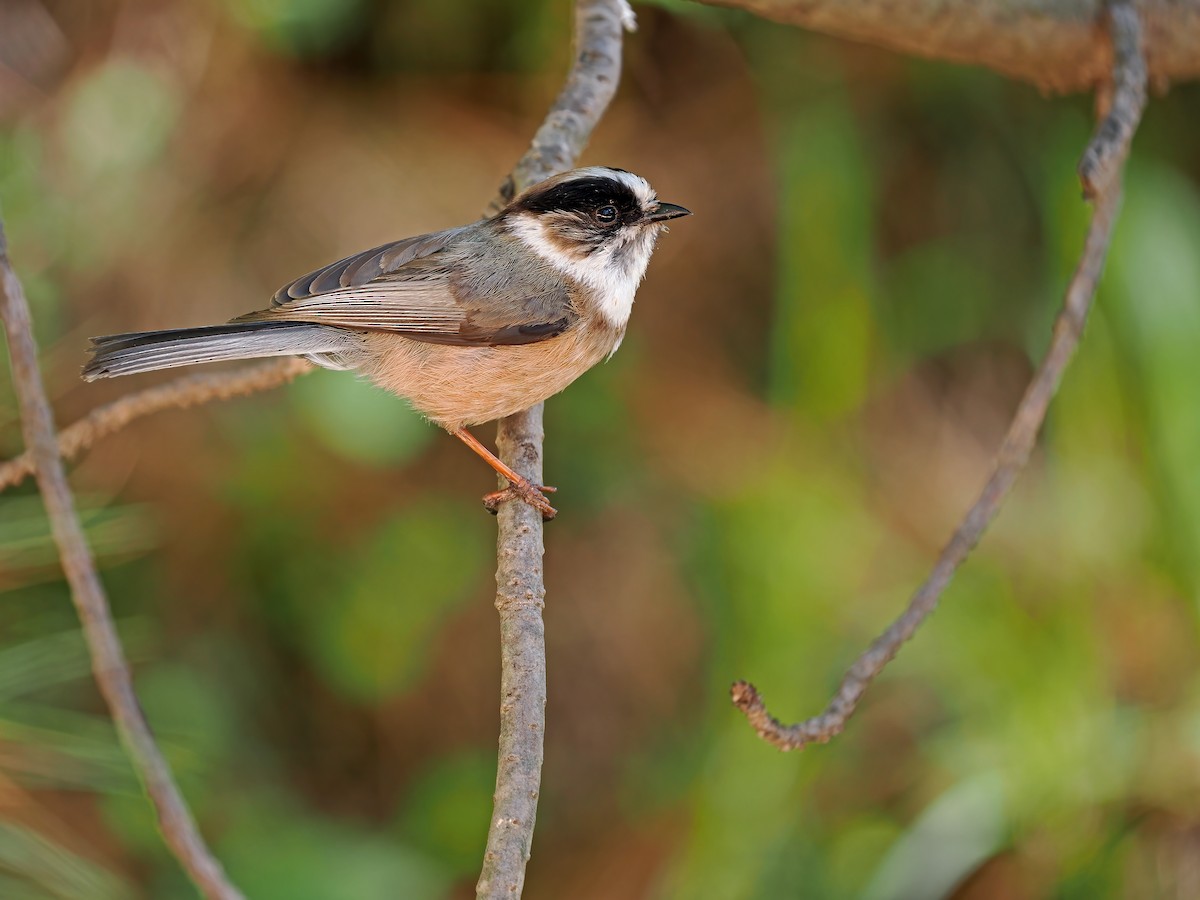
[145, 351]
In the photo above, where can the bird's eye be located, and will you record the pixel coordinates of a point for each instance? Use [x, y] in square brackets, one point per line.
[606, 214]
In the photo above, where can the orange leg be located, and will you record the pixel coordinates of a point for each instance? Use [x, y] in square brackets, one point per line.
[519, 488]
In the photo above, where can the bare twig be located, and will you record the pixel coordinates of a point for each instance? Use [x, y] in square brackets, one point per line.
[181, 393]
[1053, 44]
[1100, 173]
[520, 588]
[108, 659]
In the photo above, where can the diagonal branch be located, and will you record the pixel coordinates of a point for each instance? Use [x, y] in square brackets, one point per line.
[109, 665]
[1099, 172]
[520, 588]
[180, 393]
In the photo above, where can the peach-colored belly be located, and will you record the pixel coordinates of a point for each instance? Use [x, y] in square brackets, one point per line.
[457, 386]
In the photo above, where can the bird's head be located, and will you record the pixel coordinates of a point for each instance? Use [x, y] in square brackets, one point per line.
[595, 225]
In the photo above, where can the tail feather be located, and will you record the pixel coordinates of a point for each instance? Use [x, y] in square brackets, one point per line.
[145, 351]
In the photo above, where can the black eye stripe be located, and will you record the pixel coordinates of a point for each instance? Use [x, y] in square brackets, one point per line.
[585, 196]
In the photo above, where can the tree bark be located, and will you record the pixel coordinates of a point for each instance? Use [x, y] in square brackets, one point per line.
[1061, 46]
[520, 587]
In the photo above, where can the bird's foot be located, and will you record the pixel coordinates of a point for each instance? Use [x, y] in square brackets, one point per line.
[526, 492]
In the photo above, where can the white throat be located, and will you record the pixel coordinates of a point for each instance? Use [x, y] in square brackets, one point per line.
[613, 273]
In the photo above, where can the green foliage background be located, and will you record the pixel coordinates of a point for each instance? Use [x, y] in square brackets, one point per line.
[820, 365]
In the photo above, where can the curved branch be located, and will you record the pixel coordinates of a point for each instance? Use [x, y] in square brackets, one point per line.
[520, 588]
[109, 665]
[190, 390]
[1099, 172]
[1058, 45]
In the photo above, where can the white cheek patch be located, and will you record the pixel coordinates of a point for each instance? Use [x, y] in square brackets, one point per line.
[613, 272]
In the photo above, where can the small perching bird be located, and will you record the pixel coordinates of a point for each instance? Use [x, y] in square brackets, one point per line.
[469, 325]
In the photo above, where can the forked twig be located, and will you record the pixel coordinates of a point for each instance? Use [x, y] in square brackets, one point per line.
[109, 665]
[1099, 171]
[180, 393]
[520, 588]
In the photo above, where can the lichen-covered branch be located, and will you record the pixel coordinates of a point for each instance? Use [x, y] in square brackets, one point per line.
[1059, 45]
[108, 659]
[520, 588]
[180, 393]
[1099, 171]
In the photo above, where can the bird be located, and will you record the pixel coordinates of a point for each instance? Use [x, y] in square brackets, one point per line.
[469, 324]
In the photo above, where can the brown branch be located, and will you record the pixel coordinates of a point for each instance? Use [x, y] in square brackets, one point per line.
[108, 659]
[181, 393]
[1100, 173]
[1058, 45]
[520, 588]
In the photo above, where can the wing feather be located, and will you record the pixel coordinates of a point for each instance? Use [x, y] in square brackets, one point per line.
[366, 266]
[415, 287]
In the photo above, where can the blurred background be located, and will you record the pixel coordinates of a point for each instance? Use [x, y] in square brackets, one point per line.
[820, 366]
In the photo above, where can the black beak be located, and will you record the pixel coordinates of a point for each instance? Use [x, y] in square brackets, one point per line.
[665, 211]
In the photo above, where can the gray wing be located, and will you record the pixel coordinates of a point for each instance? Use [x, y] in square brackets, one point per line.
[417, 287]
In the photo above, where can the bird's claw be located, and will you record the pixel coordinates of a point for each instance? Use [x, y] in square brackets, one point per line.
[526, 492]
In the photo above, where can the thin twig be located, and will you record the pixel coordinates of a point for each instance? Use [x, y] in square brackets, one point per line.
[1100, 172]
[180, 393]
[109, 665]
[520, 588]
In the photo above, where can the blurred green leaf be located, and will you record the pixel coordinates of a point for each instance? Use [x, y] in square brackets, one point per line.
[55, 659]
[1154, 286]
[188, 711]
[27, 550]
[594, 458]
[275, 851]
[447, 810]
[52, 747]
[960, 830]
[857, 848]
[299, 27]
[822, 335]
[48, 745]
[429, 37]
[940, 296]
[372, 632]
[358, 420]
[784, 561]
[41, 869]
[119, 120]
